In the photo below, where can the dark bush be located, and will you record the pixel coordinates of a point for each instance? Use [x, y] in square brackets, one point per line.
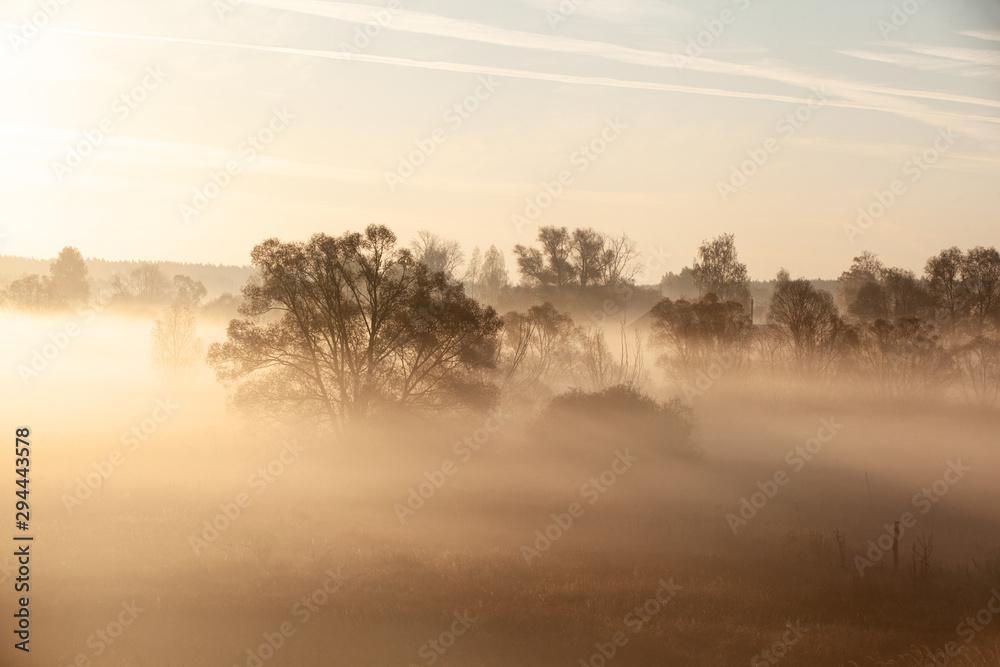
[616, 417]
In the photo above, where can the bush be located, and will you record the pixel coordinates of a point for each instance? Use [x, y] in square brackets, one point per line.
[617, 417]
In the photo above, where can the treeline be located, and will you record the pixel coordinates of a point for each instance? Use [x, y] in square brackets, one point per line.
[341, 329]
[217, 279]
[69, 285]
[888, 330]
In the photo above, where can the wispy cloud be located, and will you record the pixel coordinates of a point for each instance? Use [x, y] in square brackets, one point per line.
[854, 91]
[872, 98]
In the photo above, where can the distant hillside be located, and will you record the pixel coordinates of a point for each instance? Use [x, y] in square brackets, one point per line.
[216, 278]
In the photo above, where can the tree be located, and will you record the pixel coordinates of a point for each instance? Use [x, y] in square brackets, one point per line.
[866, 268]
[944, 282]
[32, 294]
[437, 253]
[902, 358]
[981, 282]
[69, 277]
[538, 353]
[343, 328]
[870, 304]
[807, 321]
[717, 270]
[698, 334]
[582, 258]
[493, 277]
[548, 266]
[188, 292]
[977, 363]
[619, 264]
[176, 346]
[143, 284]
[587, 253]
[908, 296]
[472, 271]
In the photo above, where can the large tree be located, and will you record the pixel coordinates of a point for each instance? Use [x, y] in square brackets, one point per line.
[944, 282]
[582, 258]
[492, 277]
[342, 328]
[981, 282]
[69, 277]
[717, 270]
[808, 323]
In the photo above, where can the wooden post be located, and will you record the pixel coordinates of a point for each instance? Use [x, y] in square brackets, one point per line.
[895, 546]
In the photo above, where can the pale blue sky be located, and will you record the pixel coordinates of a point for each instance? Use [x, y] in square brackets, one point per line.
[889, 88]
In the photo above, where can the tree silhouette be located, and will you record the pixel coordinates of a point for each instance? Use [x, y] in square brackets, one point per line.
[717, 270]
[69, 277]
[176, 347]
[340, 329]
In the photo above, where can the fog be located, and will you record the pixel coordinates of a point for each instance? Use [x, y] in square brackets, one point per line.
[481, 539]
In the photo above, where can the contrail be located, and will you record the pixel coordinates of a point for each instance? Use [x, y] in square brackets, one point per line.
[445, 66]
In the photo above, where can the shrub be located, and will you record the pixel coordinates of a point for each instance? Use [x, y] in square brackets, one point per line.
[617, 417]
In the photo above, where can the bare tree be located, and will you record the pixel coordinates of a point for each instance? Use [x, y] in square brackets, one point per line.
[31, 294]
[695, 335]
[807, 321]
[437, 253]
[493, 277]
[977, 363]
[619, 263]
[176, 347]
[944, 282]
[143, 284]
[472, 271]
[981, 282]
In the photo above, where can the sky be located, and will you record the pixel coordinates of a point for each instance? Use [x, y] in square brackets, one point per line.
[191, 130]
